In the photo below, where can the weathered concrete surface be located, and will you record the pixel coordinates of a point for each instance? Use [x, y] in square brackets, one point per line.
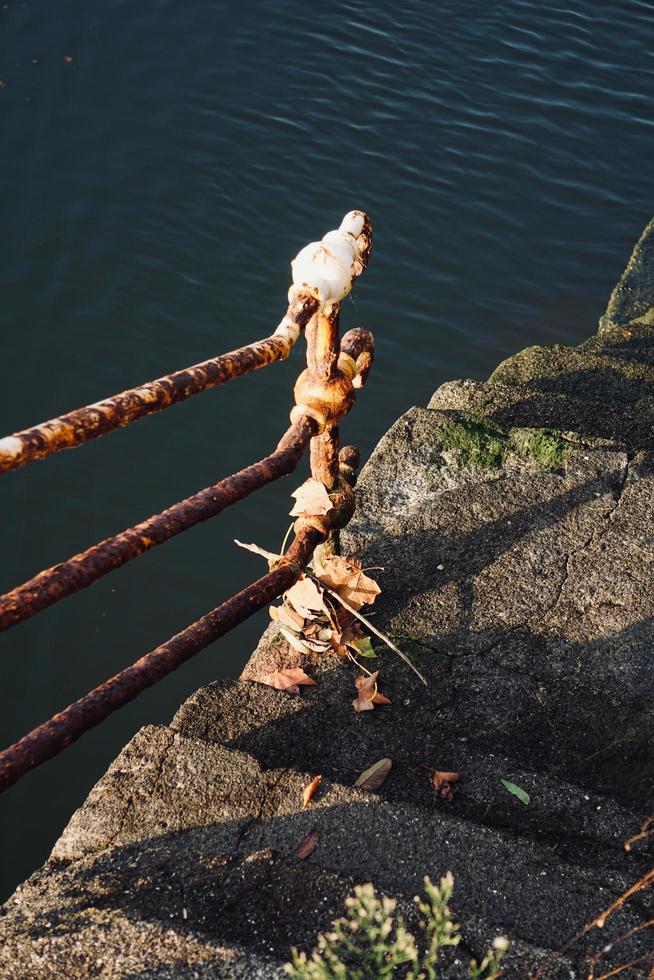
[186, 851]
[524, 594]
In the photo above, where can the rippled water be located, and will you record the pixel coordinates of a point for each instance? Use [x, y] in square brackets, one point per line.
[163, 161]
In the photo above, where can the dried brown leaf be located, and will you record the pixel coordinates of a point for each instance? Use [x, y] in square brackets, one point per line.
[367, 694]
[316, 646]
[310, 791]
[305, 597]
[308, 845]
[444, 782]
[374, 777]
[289, 617]
[311, 500]
[360, 591]
[293, 640]
[287, 679]
[346, 578]
[256, 550]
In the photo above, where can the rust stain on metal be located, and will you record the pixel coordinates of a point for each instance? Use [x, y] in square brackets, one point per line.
[85, 568]
[323, 343]
[50, 738]
[359, 344]
[122, 409]
[324, 456]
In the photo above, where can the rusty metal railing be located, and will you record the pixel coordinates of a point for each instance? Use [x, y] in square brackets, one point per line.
[323, 274]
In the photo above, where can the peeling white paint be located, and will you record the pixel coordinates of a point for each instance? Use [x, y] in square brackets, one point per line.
[10, 447]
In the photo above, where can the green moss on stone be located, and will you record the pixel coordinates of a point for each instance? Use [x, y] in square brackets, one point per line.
[478, 442]
[542, 445]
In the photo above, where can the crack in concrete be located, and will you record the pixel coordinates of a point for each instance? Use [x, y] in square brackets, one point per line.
[129, 806]
[596, 535]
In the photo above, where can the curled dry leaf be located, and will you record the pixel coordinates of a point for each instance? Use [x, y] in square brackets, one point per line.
[293, 639]
[443, 783]
[346, 577]
[310, 791]
[375, 776]
[367, 694]
[311, 500]
[287, 616]
[287, 679]
[270, 557]
[306, 598]
[308, 845]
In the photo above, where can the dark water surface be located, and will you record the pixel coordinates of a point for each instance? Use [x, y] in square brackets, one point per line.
[154, 189]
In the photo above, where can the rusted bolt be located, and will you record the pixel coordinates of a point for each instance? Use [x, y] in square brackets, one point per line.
[348, 462]
[350, 456]
[331, 398]
[342, 498]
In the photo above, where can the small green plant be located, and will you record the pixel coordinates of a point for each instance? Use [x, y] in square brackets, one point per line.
[369, 942]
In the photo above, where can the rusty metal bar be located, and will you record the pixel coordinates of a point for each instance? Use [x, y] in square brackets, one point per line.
[50, 738]
[85, 568]
[122, 409]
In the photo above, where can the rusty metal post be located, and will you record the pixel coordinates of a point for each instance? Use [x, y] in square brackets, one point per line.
[323, 348]
[50, 738]
[85, 568]
[325, 390]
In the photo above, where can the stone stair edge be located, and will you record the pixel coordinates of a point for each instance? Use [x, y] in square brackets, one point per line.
[607, 830]
[415, 830]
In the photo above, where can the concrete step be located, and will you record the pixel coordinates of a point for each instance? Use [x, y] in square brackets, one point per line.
[581, 374]
[190, 849]
[632, 342]
[587, 826]
[511, 406]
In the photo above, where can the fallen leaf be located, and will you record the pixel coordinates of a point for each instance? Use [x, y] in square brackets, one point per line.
[311, 500]
[287, 679]
[293, 640]
[256, 550]
[289, 617]
[316, 646]
[305, 597]
[443, 783]
[368, 695]
[308, 845]
[363, 647]
[517, 791]
[346, 577]
[375, 776]
[310, 791]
